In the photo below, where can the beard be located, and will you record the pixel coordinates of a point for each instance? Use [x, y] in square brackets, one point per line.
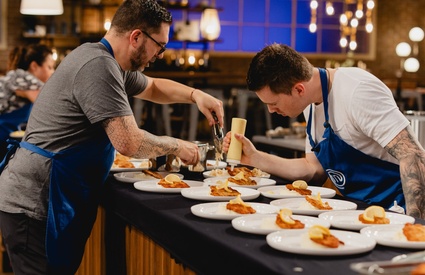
[138, 60]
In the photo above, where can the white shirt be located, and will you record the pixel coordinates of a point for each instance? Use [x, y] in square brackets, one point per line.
[362, 112]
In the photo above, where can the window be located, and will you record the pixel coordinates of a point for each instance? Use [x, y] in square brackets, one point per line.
[249, 25]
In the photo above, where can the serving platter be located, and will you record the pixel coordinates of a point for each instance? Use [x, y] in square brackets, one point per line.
[132, 177]
[302, 207]
[222, 172]
[298, 242]
[153, 186]
[350, 219]
[391, 235]
[281, 192]
[203, 193]
[260, 182]
[211, 164]
[266, 224]
[218, 211]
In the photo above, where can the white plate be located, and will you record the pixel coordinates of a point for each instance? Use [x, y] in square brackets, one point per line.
[135, 163]
[302, 207]
[265, 224]
[153, 186]
[390, 235]
[218, 211]
[298, 241]
[281, 192]
[350, 219]
[132, 177]
[207, 174]
[211, 164]
[260, 182]
[203, 193]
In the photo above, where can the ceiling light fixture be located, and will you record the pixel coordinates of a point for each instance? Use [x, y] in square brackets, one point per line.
[41, 7]
[350, 19]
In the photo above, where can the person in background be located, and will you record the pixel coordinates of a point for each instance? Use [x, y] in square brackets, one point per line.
[29, 67]
[356, 135]
[53, 182]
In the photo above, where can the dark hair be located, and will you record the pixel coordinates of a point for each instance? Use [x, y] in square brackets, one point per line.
[145, 15]
[21, 57]
[278, 66]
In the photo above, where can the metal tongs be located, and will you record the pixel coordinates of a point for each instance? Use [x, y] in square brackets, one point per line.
[218, 137]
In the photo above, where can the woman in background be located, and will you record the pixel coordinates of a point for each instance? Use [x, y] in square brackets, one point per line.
[28, 69]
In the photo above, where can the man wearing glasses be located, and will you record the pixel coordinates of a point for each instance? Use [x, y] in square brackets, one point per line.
[162, 47]
[49, 191]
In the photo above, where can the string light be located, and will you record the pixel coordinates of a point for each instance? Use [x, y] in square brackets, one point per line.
[349, 20]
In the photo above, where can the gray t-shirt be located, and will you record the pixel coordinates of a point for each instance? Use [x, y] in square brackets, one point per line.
[87, 88]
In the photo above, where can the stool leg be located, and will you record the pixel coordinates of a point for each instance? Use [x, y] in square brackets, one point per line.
[268, 117]
[138, 105]
[167, 119]
[193, 124]
[242, 103]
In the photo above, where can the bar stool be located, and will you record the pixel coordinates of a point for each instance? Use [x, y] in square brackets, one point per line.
[243, 95]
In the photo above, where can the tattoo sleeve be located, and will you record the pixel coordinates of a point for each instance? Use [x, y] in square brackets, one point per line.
[129, 140]
[411, 156]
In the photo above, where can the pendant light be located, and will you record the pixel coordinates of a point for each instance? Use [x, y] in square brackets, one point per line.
[210, 24]
[41, 7]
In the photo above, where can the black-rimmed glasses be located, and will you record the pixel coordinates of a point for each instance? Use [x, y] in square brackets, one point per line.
[159, 44]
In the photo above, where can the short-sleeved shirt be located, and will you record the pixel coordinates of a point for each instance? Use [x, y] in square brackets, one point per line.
[16, 80]
[87, 87]
[362, 112]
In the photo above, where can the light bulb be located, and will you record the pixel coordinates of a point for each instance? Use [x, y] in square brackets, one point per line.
[403, 49]
[343, 42]
[416, 34]
[411, 65]
[353, 45]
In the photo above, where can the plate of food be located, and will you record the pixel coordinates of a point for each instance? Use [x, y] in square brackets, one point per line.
[17, 134]
[126, 164]
[170, 184]
[265, 224]
[132, 177]
[253, 182]
[282, 192]
[219, 210]
[224, 172]
[213, 164]
[409, 235]
[312, 206]
[305, 243]
[355, 219]
[211, 193]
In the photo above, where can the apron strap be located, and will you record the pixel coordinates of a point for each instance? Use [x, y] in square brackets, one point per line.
[11, 149]
[325, 93]
[37, 149]
[107, 45]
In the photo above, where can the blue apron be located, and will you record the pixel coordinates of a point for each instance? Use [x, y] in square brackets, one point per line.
[355, 174]
[76, 178]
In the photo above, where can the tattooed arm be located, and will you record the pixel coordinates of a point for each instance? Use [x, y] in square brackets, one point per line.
[411, 156]
[131, 141]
